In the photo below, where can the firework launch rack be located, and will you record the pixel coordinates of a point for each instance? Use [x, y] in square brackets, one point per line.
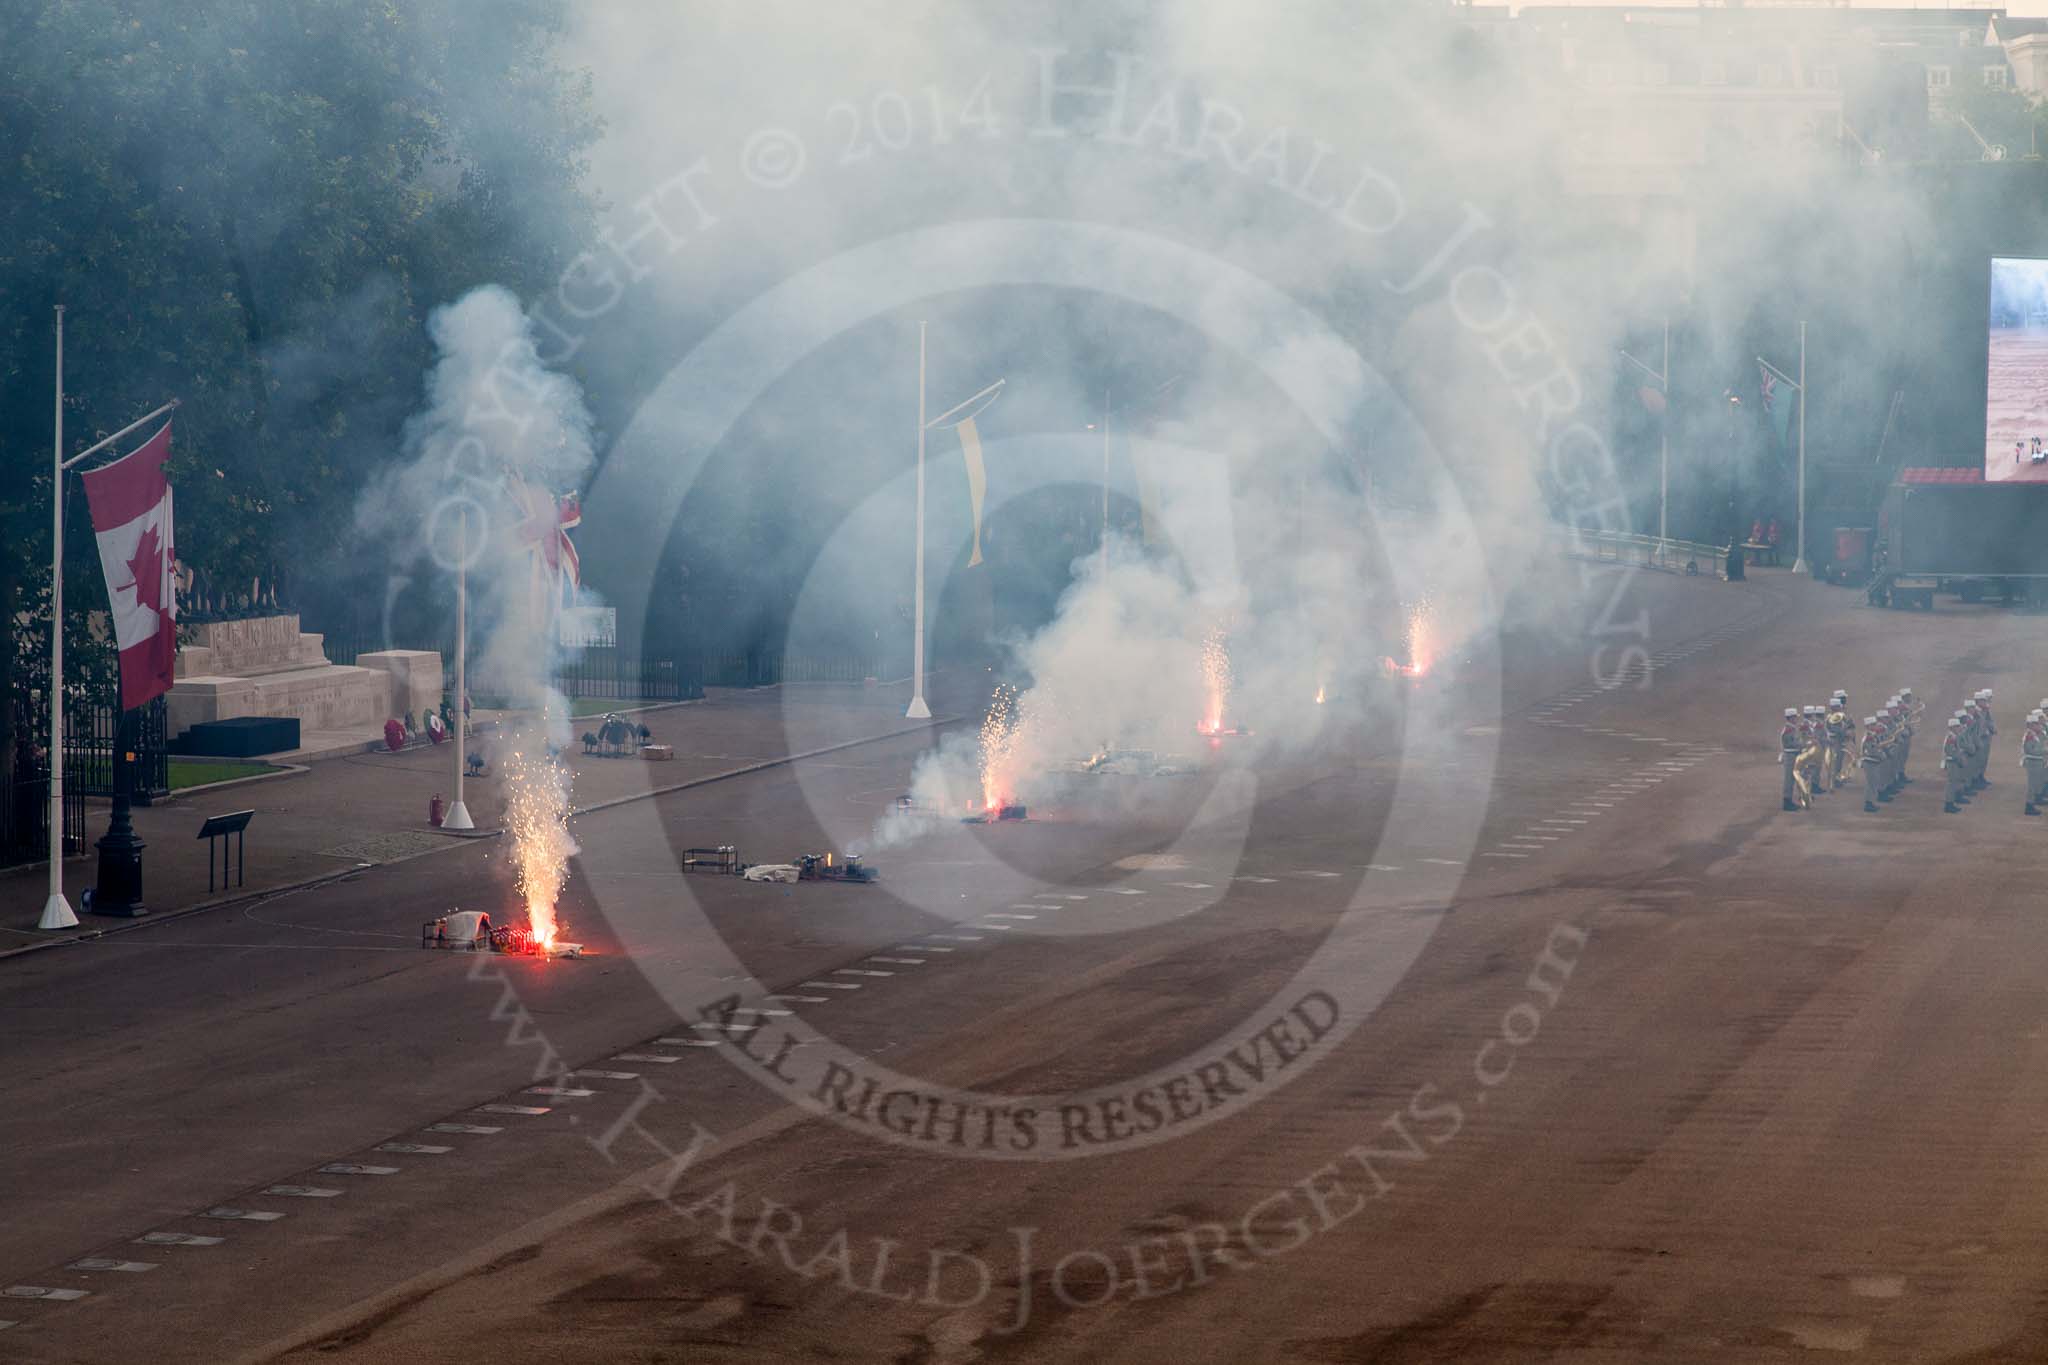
[725, 861]
[481, 935]
[823, 867]
[1015, 811]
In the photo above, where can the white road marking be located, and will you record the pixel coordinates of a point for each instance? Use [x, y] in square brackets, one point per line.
[833, 985]
[1381, 867]
[1257, 881]
[413, 1148]
[1124, 891]
[564, 1092]
[715, 1026]
[1547, 838]
[620, 1075]
[629, 1057]
[356, 1168]
[1538, 848]
[531, 1111]
[922, 948]
[1446, 862]
[109, 1263]
[36, 1291]
[801, 999]
[1008, 928]
[859, 971]
[302, 1192]
[961, 938]
[241, 1215]
[1062, 895]
[1194, 886]
[177, 1239]
[1503, 855]
[1318, 874]
[1005, 914]
[478, 1128]
[900, 961]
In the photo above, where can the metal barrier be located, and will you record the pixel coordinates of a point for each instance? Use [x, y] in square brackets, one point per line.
[1645, 552]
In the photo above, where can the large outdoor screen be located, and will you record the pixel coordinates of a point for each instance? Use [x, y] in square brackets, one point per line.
[2016, 383]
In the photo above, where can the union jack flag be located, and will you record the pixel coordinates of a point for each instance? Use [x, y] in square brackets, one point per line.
[1770, 386]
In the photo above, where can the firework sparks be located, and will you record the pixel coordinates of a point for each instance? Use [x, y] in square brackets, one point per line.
[1215, 680]
[537, 819]
[1319, 696]
[999, 749]
[1421, 635]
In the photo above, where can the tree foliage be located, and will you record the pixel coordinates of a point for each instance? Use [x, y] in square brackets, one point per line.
[252, 206]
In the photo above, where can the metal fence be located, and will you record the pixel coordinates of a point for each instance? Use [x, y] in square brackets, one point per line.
[25, 819]
[1648, 552]
[90, 733]
[604, 673]
[767, 670]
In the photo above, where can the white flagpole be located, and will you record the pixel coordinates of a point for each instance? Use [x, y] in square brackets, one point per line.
[918, 709]
[458, 813]
[1664, 444]
[1105, 479]
[57, 913]
[1799, 559]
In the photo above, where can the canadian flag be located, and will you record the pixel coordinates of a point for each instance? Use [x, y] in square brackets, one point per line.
[131, 513]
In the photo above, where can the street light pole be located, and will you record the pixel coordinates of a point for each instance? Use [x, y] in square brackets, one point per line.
[458, 816]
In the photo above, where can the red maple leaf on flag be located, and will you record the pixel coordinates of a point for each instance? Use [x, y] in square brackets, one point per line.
[146, 571]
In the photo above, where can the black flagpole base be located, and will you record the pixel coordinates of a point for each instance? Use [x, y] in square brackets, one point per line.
[119, 892]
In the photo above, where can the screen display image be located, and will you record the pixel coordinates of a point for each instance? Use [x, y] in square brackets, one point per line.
[2016, 382]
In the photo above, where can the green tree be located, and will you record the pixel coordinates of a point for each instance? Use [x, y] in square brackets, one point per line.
[252, 206]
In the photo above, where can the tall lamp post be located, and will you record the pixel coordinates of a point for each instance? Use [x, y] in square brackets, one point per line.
[1799, 384]
[1663, 378]
[919, 708]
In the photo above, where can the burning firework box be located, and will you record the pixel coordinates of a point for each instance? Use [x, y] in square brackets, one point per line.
[658, 753]
[824, 867]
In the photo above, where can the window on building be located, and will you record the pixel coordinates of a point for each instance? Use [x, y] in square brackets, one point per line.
[1995, 77]
[1825, 78]
[1937, 78]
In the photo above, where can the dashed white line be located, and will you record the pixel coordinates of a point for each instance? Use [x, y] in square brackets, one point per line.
[961, 938]
[900, 961]
[1446, 862]
[833, 985]
[302, 1192]
[177, 1239]
[478, 1128]
[529, 1110]
[1005, 914]
[109, 1263]
[413, 1148]
[37, 1291]
[638, 1057]
[801, 999]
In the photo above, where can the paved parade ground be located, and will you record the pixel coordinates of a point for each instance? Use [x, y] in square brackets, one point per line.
[1615, 1061]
